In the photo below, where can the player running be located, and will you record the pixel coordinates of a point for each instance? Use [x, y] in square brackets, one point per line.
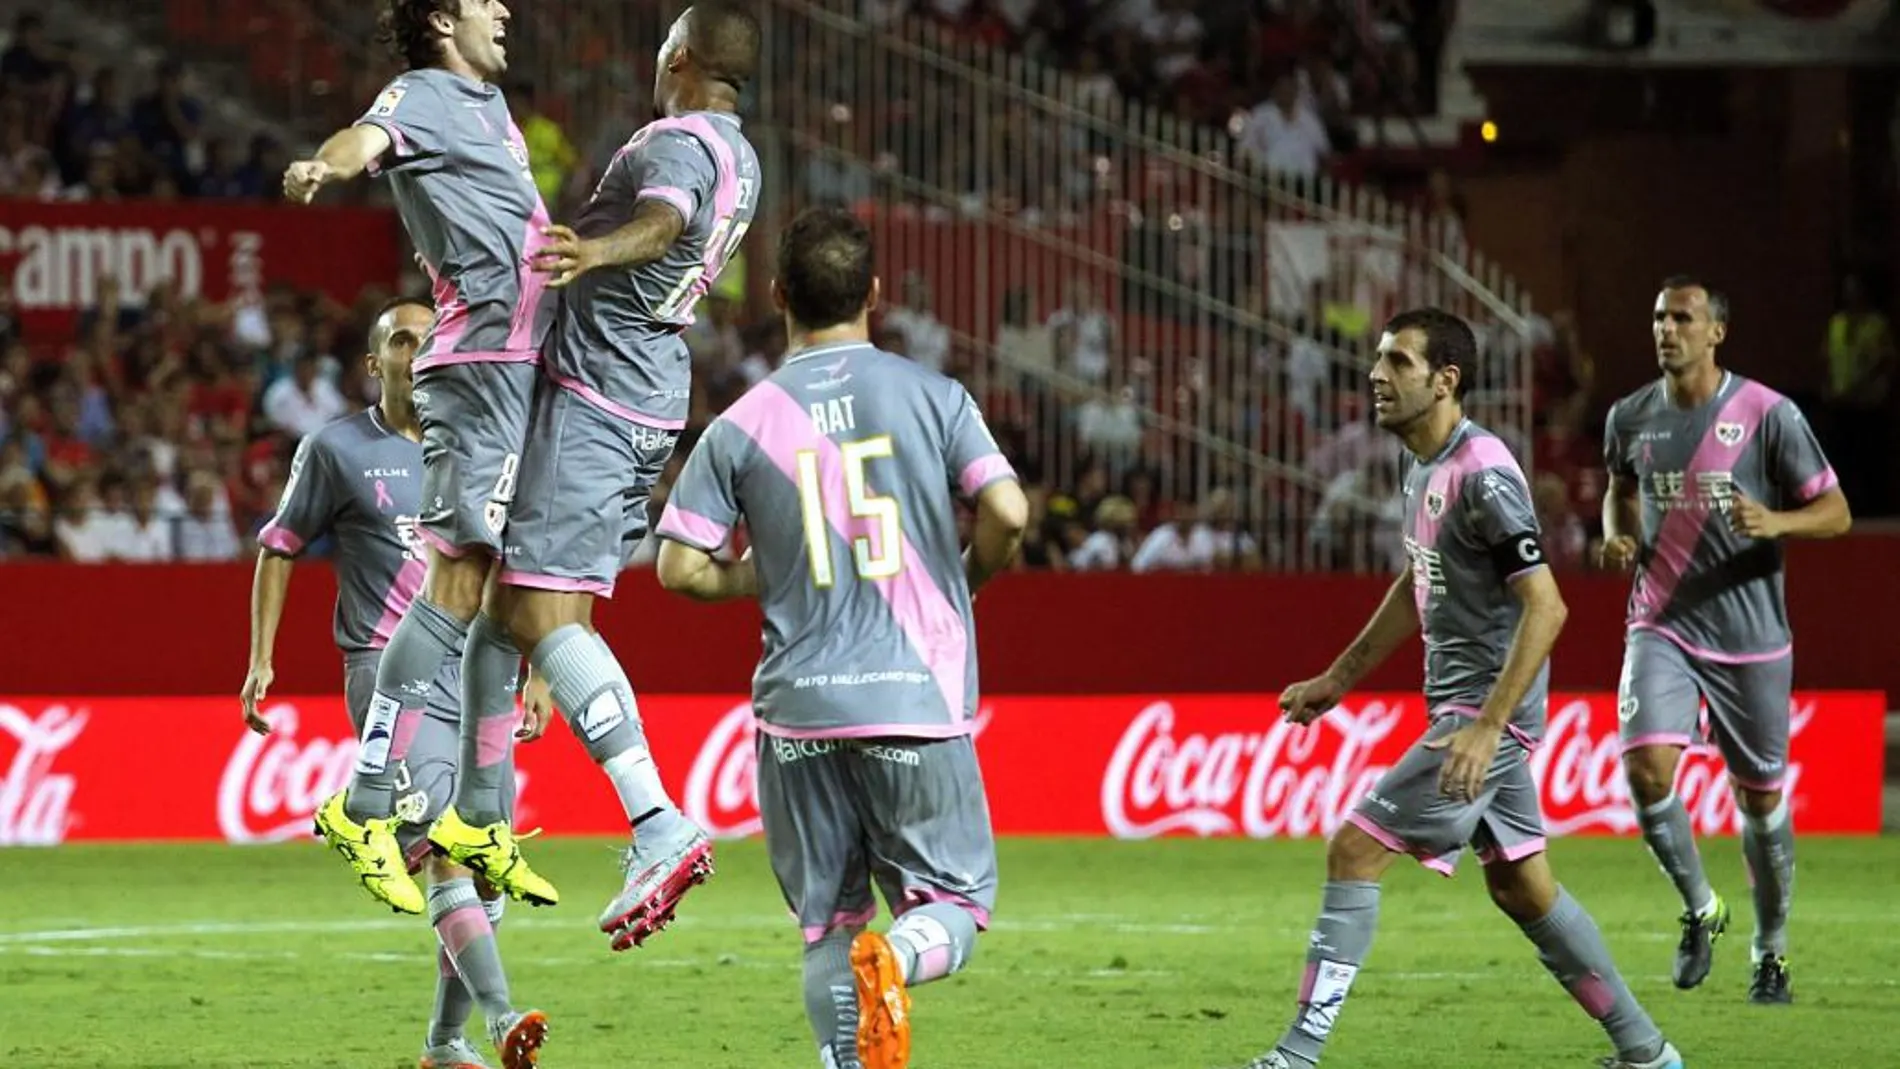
[359, 480]
[670, 211]
[1478, 588]
[458, 167]
[1708, 470]
[843, 465]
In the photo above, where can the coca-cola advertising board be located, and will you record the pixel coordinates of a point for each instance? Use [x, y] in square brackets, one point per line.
[1125, 766]
[54, 255]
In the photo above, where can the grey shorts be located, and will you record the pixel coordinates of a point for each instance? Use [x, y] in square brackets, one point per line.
[474, 419]
[909, 815]
[1659, 703]
[581, 506]
[425, 781]
[1407, 812]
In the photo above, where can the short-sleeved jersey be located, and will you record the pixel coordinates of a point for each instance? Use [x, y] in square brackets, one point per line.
[844, 465]
[617, 340]
[458, 167]
[361, 481]
[1469, 531]
[1715, 593]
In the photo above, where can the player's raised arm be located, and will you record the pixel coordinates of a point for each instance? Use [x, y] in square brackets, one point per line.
[345, 155]
[1394, 621]
[1002, 515]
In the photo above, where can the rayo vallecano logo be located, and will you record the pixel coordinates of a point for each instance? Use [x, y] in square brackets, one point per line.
[1434, 504]
[1728, 433]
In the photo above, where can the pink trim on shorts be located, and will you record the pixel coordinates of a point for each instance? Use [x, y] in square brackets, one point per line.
[1470, 713]
[560, 583]
[841, 919]
[439, 544]
[873, 731]
[613, 408]
[681, 200]
[1765, 787]
[1681, 530]
[1713, 655]
[922, 894]
[1822, 482]
[983, 471]
[1659, 738]
[685, 525]
[476, 356]
[1397, 845]
[1522, 850]
[934, 629]
[280, 539]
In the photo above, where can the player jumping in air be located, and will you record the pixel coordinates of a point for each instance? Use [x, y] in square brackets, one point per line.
[845, 465]
[1708, 471]
[1478, 588]
[458, 167]
[670, 211]
[359, 481]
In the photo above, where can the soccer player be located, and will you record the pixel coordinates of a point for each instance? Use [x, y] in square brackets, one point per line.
[844, 465]
[670, 211]
[359, 480]
[458, 167]
[1708, 471]
[1479, 590]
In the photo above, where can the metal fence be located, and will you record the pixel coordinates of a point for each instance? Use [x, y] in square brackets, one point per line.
[1141, 312]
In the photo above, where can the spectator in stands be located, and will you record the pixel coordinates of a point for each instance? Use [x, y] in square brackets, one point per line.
[218, 178]
[31, 68]
[1108, 424]
[169, 122]
[1327, 94]
[1173, 34]
[925, 339]
[1084, 334]
[145, 537]
[1565, 537]
[303, 401]
[1282, 136]
[25, 166]
[92, 125]
[1024, 344]
[1111, 545]
[834, 174]
[83, 530]
[1860, 356]
[100, 182]
[262, 168]
[205, 532]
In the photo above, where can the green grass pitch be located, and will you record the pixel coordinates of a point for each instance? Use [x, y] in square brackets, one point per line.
[1174, 954]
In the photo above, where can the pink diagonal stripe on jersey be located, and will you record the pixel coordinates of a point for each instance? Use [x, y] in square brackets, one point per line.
[451, 322]
[983, 471]
[530, 285]
[1681, 529]
[782, 429]
[402, 591]
[692, 528]
[725, 196]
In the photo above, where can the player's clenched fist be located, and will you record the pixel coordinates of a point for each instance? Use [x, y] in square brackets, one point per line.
[303, 178]
[1619, 553]
[1306, 702]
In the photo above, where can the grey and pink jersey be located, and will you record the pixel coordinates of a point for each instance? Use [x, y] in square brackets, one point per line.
[361, 481]
[845, 465]
[1715, 593]
[617, 340]
[1469, 531]
[458, 167]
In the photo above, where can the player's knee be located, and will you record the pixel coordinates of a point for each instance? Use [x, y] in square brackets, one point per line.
[1757, 803]
[1651, 771]
[455, 584]
[1522, 890]
[442, 870]
[1354, 855]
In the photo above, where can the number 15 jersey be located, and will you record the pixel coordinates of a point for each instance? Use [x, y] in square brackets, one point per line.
[617, 339]
[844, 465]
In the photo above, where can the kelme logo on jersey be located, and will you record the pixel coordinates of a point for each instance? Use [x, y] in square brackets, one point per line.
[1729, 434]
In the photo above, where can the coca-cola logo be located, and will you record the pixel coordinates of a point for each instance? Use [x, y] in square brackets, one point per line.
[60, 266]
[273, 783]
[35, 801]
[1283, 780]
[1579, 773]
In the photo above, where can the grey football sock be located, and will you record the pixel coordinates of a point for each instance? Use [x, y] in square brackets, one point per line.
[453, 1003]
[590, 688]
[831, 1000]
[1570, 946]
[933, 941]
[1671, 841]
[1768, 846]
[426, 637]
[1342, 937]
[462, 925]
[491, 667]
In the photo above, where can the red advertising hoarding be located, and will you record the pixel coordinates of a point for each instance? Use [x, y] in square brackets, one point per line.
[55, 254]
[1129, 766]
